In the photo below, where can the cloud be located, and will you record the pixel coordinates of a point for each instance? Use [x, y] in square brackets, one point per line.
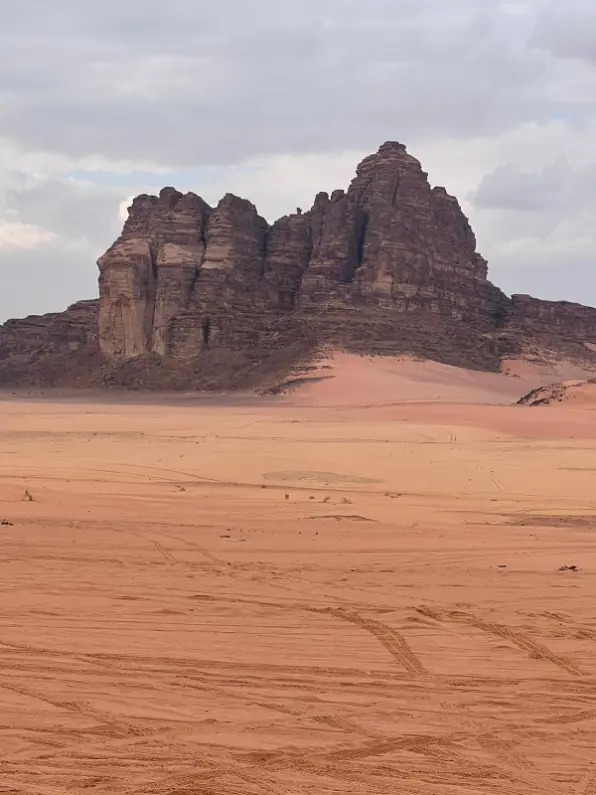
[69, 208]
[183, 86]
[541, 227]
[276, 101]
[15, 235]
[51, 233]
[47, 279]
[555, 190]
[567, 29]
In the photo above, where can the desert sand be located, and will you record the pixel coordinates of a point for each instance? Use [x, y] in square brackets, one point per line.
[354, 587]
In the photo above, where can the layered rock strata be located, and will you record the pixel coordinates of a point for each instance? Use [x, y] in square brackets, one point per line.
[389, 241]
[192, 295]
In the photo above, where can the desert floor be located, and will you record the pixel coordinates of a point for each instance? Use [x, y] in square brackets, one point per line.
[319, 593]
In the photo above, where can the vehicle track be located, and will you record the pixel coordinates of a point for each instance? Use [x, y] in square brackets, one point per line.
[81, 708]
[497, 482]
[395, 644]
[583, 629]
[344, 725]
[439, 748]
[378, 748]
[535, 650]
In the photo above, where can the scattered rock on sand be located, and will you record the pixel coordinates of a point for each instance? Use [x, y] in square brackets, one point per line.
[578, 392]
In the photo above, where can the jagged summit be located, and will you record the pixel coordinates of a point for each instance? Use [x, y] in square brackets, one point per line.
[191, 295]
[389, 240]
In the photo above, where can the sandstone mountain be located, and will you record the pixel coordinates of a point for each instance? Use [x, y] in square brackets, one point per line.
[192, 296]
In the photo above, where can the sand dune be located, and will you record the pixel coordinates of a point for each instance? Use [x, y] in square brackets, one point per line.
[349, 380]
[352, 588]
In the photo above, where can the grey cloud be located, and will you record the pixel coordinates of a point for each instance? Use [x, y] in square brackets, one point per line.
[190, 83]
[35, 284]
[510, 188]
[539, 275]
[567, 28]
[84, 221]
[68, 208]
[556, 189]
[537, 228]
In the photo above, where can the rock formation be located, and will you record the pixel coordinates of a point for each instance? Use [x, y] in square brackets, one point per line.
[194, 296]
[578, 393]
[147, 276]
[552, 317]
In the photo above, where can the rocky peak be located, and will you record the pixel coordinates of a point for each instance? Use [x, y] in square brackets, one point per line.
[147, 275]
[391, 146]
[418, 249]
[379, 175]
[389, 239]
[140, 215]
[321, 201]
[168, 198]
[235, 238]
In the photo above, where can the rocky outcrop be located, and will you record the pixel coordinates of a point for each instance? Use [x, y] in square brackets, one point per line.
[578, 393]
[42, 349]
[558, 318]
[147, 276]
[288, 255]
[234, 261]
[418, 250]
[390, 241]
[62, 332]
[338, 228]
[180, 250]
[202, 297]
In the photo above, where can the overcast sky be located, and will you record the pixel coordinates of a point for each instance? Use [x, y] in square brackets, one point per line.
[276, 100]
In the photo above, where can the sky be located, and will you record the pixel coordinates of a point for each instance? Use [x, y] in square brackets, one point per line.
[277, 100]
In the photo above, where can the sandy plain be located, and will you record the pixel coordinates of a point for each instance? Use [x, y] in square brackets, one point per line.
[351, 589]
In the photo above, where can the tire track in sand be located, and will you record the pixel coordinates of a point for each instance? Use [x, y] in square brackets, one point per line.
[582, 630]
[395, 644]
[497, 482]
[81, 708]
[536, 651]
[440, 748]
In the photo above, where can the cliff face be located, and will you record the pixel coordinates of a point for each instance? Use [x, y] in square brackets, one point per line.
[197, 296]
[552, 317]
[147, 276]
[390, 241]
[43, 349]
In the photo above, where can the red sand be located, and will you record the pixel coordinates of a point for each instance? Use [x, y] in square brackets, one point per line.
[349, 380]
[337, 591]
